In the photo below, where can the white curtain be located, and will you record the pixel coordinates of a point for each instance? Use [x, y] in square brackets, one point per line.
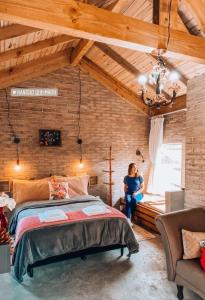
[155, 142]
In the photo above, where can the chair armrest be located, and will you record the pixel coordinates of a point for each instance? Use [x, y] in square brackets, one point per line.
[170, 226]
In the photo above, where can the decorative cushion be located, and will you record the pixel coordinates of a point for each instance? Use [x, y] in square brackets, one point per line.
[77, 185]
[191, 243]
[58, 190]
[30, 190]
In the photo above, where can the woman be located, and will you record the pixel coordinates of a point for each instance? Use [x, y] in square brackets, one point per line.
[133, 187]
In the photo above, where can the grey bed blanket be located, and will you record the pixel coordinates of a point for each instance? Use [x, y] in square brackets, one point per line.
[51, 240]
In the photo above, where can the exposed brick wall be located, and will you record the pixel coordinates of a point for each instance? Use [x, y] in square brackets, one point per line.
[175, 127]
[195, 143]
[175, 132]
[105, 119]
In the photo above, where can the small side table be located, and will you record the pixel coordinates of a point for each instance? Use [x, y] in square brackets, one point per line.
[4, 258]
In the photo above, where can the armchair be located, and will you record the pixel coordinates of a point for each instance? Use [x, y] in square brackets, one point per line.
[185, 273]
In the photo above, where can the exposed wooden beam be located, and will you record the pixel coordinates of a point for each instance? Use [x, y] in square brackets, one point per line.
[121, 61]
[92, 23]
[161, 14]
[178, 105]
[21, 51]
[85, 45]
[112, 84]
[81, 49]
[117, 58]
[35, 68]
[15, 30]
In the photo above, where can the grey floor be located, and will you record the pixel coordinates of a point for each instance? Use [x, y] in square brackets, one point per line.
[101, 277]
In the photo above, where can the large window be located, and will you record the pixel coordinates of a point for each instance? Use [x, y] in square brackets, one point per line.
[169, 168]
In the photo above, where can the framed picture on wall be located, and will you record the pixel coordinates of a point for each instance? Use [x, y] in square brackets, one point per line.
[50, 137]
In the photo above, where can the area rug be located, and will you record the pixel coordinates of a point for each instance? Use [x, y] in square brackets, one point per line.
[142, 234]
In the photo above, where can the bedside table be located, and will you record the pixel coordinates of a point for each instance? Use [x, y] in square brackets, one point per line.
[5, 258]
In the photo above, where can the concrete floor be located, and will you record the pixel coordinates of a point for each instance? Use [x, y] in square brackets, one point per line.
[101, 277]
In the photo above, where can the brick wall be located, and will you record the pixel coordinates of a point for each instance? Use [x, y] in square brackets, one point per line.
[195, 143]
[105, 120]
[175, 127]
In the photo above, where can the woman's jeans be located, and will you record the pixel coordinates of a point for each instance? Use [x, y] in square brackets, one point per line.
[131, 203]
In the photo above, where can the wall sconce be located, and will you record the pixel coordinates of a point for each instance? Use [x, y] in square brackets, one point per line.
[139, 153]
[17, 141]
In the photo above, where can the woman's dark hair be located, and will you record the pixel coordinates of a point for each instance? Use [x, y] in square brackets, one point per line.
[130, 168]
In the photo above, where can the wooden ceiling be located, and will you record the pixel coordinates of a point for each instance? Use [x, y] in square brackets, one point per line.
[28, 49]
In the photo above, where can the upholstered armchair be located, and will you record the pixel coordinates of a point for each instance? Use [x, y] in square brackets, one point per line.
[185, 273]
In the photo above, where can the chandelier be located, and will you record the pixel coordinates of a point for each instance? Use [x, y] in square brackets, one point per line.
[159, 79]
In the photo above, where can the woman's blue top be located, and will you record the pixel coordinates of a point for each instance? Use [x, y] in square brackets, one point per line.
[133, 183]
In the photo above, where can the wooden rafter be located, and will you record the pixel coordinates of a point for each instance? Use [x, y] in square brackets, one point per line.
[117, 58]
[15, 30]
[41, 45]
[82, 48]
[161, 14]
[85, 45]
[179, 104]
[33, 69]
[121, 61]
[112, 84]
[89, 22]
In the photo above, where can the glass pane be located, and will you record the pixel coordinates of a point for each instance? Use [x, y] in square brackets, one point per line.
[169, 167]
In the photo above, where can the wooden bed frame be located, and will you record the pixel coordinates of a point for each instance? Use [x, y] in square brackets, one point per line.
[82, 254]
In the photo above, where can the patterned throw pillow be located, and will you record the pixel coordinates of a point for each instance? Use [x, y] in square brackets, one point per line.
[191, 243]
[58, 190]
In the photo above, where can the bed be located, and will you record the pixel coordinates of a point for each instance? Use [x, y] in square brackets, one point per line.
[38, 242]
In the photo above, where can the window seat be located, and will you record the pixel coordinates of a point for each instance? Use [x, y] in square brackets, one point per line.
[156, 202]
[148, 209]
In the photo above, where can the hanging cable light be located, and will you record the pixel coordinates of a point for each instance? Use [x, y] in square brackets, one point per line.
[15, 139]
[79, 140]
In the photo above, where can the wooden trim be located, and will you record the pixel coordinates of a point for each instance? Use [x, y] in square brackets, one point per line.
[112, 84]
[92, 23]
[15, 30]
[179, 104]
[35, 68]
[21, 51]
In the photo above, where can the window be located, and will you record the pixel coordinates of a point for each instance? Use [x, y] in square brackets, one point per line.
[169, 168]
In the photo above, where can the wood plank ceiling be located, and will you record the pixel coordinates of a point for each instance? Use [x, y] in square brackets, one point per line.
[21, 45]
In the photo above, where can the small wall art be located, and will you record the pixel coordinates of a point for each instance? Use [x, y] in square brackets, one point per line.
[50, 137]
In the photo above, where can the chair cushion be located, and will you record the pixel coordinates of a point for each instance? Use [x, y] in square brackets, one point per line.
[192, 272]
[191, 243]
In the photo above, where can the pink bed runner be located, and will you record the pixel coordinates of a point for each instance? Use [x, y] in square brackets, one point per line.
[33, 222]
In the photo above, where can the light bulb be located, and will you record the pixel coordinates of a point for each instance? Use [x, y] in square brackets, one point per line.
[142, 80]
[174, 76]
[81, 164]
[161, 87]
[17, 167]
